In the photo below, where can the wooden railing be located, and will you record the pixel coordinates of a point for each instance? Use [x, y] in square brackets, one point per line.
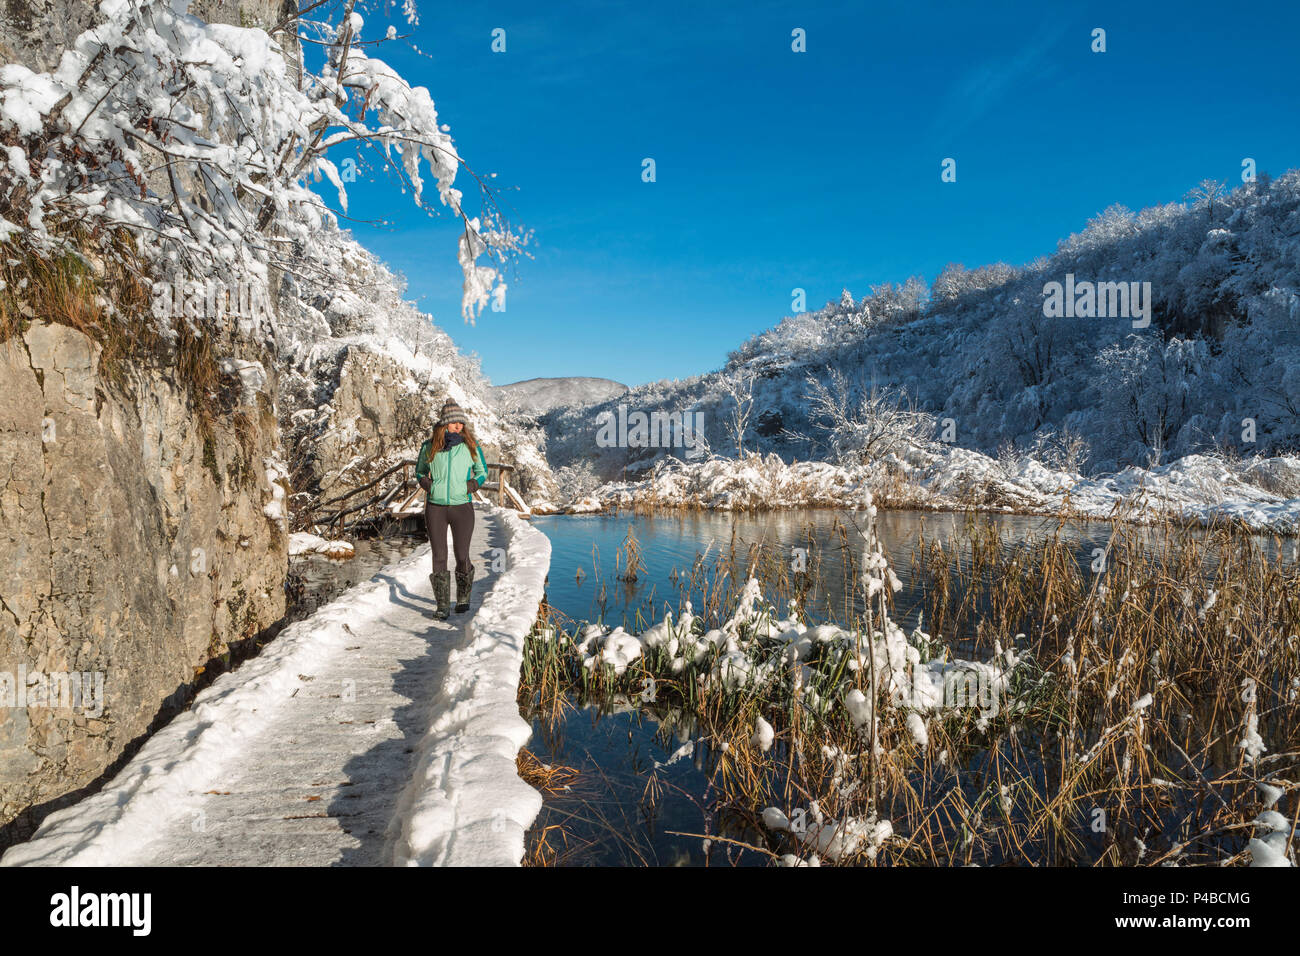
[345, 506]
[403, 498]
[501, 485]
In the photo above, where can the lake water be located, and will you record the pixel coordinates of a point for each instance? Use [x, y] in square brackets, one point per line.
[671, 544]
[314, 580]
[623, 809]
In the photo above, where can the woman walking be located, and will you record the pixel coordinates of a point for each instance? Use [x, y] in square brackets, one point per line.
[450, 468]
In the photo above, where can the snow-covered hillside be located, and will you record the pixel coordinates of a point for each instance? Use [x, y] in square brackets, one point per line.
[973, 361]
[536, 396]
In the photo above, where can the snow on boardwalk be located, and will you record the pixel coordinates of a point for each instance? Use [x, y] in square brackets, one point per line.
[368, 734]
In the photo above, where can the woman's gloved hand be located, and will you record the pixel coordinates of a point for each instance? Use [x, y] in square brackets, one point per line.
[471, 486]
[426, 483]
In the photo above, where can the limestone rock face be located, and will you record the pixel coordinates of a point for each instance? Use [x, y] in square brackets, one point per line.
[36, 32]
[373, 416]
[133, 548]
[374, 411]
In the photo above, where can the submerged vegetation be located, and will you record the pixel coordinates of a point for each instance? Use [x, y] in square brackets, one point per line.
[1137, 706]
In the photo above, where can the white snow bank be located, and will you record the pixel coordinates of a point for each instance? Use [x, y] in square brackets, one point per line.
[1197, 488]
[301, 542]
[582, 506]
[465, 804]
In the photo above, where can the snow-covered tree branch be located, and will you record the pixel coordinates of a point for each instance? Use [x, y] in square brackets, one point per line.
[201, 140]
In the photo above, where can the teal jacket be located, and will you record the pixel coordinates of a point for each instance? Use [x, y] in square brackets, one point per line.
[449, 472]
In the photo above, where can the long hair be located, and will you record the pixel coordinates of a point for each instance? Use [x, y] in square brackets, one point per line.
[440, 436]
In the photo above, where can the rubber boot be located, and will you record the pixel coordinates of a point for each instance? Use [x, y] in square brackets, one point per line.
[442, 593]
[464, 581]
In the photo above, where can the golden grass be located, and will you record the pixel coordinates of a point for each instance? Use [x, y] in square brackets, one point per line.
[543, 777]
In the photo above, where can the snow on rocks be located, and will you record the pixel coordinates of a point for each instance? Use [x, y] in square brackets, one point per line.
[277, 478]
[1195, 489]
[301, 542]
[465, 804]
[251, 376]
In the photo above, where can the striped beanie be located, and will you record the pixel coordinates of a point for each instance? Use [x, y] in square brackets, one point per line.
[451, 413]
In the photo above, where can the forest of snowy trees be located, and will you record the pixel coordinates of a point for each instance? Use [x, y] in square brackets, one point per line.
[973, 360]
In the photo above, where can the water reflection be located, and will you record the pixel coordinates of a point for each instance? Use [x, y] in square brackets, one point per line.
[633, 800]
[314, 580]
[583, 583]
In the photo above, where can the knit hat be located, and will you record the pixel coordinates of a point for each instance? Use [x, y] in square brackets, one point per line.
[451, 413]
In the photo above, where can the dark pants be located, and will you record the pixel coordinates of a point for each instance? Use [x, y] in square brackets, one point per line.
[461, 519]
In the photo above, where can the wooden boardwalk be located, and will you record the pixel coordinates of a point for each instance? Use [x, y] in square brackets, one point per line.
[317, 753]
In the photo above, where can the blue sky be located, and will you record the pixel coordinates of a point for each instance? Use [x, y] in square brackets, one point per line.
[817, 170]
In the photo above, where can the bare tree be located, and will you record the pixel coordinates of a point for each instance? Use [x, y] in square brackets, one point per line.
[1207, 191]
[865, 425]
[739, 386]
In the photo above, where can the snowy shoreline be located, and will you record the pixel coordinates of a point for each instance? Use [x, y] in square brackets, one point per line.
[1195, 490]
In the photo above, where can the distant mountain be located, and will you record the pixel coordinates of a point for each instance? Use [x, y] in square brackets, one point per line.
[537, 396]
